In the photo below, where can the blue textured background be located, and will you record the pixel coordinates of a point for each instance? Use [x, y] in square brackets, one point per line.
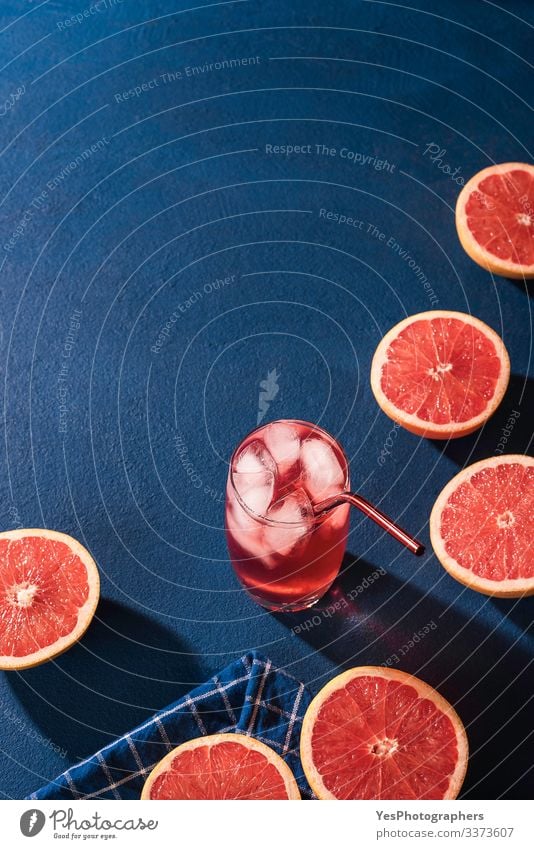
[181, 192]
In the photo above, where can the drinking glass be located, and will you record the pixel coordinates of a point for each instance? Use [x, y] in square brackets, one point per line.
[287, 513]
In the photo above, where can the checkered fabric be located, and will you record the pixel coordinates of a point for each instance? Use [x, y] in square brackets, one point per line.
[249, 696]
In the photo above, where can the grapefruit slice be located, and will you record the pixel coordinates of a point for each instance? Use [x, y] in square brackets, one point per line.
[49, 590]
[495, 219]
[379, 733]
[221, 766]
[481, 526]
[440, 374]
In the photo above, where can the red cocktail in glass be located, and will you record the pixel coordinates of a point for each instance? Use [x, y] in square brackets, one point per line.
[287, 513]
[285, 555]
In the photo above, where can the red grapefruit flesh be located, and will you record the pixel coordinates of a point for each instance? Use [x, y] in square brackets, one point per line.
[481, 526]
[49, 590]
[495, 219]
[379, 733]
[440, 374]
[221, 766]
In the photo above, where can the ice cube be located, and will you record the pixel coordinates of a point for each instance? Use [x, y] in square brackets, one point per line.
[290, 520]
[245, 530]
[255, 458]
[321, 471]
[283, 443]
[255, 489]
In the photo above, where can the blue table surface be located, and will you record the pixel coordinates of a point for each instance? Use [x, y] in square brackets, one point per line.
[162, 252]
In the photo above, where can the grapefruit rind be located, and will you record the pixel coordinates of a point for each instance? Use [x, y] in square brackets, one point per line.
[412, 422]
[85, 613]
[247, 742]
[424, 690]
[511, 588]
[474, 249]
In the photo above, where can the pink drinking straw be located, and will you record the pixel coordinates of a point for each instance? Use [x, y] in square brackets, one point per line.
[373, 513]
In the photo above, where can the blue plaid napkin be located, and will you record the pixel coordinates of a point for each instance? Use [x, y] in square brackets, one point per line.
[249, 696]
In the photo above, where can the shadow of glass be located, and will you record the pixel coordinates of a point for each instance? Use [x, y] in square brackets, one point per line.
[124, 669]
[370, 617]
